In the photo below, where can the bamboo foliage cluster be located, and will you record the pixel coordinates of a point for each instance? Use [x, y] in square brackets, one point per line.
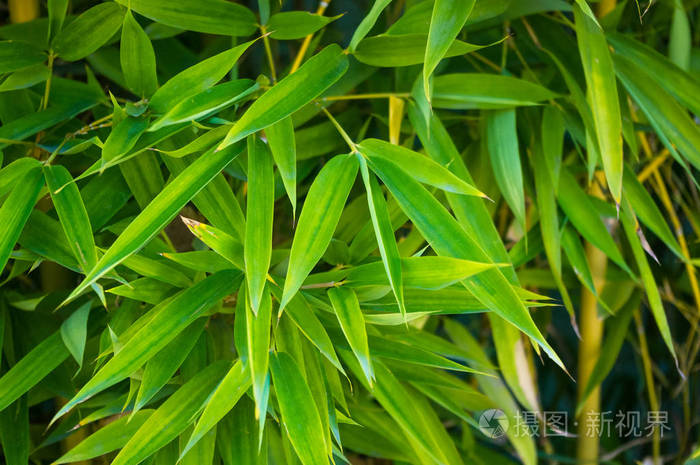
[247, 233]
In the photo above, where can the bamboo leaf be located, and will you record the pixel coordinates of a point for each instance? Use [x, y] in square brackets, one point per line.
[258, 343]
[107, 439]
[260, 208]
[16, 55]
[319, 217]
[290, 25]
[138, 59]
[173, 416]
[16, 209]
[196, 78]
[72, 214]
[88, 32]
[404, 50]
[297, 409]
[170, 318]
[347, 310]
[206, 103]
[222, 400]
[503, 147]
[281, 139]
[291, 93]
[208, 16]
[602, 92]
[447, 20]
[423, 169]
[384, 232]
[160, 212]
[74, 332]
[367, 23]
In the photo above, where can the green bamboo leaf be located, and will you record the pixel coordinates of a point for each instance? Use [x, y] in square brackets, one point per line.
[15, 55]
[165, 363]
[577, 257]
[200, 260]
[602, 92]
[107, 439]
[72, 214]
[57, 10]
[429, 272]
[169, 319]
[74, 332]
[423, 169]
[466, 91]
[12, 172]
[367, 23]
[319, 217]
[160, 211]
[645, 208]
[676, 129]
[208, 16]
[157, 269]
[195, 79]
[88, 32]
[236, 438]
[216, 201]
[173, 416]
[448, 238]
[347, 310]
[14, 433]
[32, 368]
[635, 238]
[281, 139]
[502, 140]
[122, 138]
[585, 218]
[260, 208]
[16, 209]
[220, 242]
[549, 219]
[680, 40]
[24, 78]
[206, 103]
[384, 233]
[447, 20]
[297, 409]
[682, 85]
[614, 338]
[404, 50]
[289, 25]
[222, 400]
[137, 58]
[552, 142]
[291, 93]
[308, 323]
[258, 344]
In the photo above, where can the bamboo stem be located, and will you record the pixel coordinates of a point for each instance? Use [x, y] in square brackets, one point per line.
[591, 327]
[22, 11]
[307, 40]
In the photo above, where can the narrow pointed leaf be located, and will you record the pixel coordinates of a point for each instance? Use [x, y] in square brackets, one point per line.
[260, 209]
[291, 93]
[89, 31]
[74, 332]
[319, 217]
[160, 211]
[138, 59]
[280, 138]
[347, 310]
[258, 342]
[297, 409]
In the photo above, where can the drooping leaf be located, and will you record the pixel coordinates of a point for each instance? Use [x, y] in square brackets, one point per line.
[260, 208]
[347, 310]
[319, 217]
[281, 139]
[74, 332]
[602, 93]
[173, 416]
[300, 417]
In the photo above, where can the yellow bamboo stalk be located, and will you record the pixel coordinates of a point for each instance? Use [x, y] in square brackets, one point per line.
[22, 11]
[591, 327]
[307, 40]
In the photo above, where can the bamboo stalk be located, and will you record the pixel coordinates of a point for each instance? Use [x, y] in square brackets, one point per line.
[591, 326]
[22, 11]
